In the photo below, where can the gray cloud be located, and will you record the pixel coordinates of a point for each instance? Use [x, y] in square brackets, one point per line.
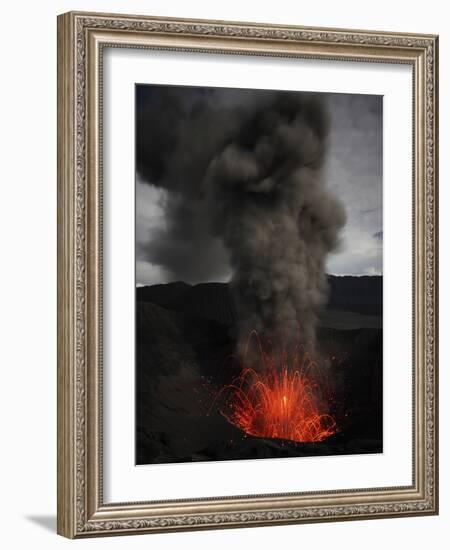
[353, 173]
[148, 273]
[378, 235]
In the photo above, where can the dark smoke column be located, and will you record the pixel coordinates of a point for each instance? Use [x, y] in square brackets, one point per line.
[253, 174]
[277, 217]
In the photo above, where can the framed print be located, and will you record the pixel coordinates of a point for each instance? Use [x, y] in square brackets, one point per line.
[247, 289]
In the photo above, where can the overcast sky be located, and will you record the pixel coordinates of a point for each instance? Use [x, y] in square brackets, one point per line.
[353, 172]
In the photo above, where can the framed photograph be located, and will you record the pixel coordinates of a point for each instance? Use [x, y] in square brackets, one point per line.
[247, 288]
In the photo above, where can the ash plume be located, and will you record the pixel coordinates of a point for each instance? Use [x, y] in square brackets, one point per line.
[243, 172]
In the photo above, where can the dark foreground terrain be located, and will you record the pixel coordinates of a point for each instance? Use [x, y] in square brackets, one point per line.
[184, 335]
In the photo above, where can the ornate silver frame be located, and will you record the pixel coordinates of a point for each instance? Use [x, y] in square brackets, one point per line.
[81, 38]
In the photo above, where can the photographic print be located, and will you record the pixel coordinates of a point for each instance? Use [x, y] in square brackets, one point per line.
[247, 274]
[259, 264]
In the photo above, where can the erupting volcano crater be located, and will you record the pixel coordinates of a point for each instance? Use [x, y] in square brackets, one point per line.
[278, 394]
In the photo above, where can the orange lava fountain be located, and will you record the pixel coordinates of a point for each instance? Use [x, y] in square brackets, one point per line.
[282, 399]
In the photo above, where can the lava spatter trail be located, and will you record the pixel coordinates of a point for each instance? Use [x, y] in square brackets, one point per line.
[282, 397]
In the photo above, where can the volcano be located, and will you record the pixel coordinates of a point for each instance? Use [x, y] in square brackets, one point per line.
[185, 337]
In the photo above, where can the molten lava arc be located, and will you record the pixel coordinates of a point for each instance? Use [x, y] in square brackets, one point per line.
[283, 398]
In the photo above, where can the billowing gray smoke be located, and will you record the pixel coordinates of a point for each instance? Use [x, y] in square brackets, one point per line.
[245, 168]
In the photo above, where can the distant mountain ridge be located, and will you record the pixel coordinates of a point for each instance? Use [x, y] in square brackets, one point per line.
[363, 295]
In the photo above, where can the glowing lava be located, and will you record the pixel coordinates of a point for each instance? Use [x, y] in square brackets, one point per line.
[281, 399]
